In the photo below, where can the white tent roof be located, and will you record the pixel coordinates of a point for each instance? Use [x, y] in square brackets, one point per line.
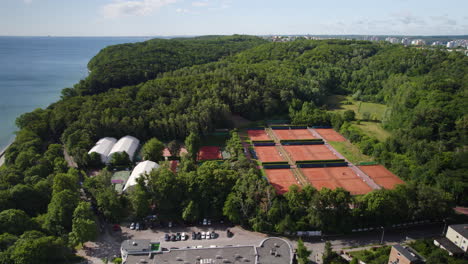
[128, 144]
[140, 169]
[103, 147]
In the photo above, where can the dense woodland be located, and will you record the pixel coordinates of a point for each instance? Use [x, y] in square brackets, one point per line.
[185, 88]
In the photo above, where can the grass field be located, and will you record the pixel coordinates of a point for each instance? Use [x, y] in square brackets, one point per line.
[373, 129]
[363, 110]
[351, 152]
[373, 255]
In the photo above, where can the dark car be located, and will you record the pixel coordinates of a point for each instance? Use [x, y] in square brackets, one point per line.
[178, 237]
[173, 238]
[194, 235]
[167, 237]
[198, 235]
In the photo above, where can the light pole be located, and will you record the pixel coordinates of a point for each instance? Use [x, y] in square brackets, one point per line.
[383, 233]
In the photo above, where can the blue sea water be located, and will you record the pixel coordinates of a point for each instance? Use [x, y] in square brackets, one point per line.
[33, 71]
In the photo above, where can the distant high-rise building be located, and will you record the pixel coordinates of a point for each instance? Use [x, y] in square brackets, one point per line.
[437, 43]
[451, 44]
[393, 40]
[418, 42]
[406, 41]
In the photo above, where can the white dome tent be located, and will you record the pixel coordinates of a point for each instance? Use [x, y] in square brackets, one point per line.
[103, 147]
[126, 144]
[143, 167]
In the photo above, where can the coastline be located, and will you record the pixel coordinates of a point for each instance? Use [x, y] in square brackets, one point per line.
[2, 152]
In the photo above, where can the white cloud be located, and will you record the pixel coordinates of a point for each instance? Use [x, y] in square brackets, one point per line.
[182, 10]
[120, 8]
[200, 3]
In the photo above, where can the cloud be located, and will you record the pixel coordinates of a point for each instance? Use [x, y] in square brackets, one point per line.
[182, 10]
[407, 18]
[445, 20]
[120, 8]
[200, 3]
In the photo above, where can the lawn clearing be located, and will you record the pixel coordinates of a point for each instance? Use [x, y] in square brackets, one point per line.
[373, 130]
[351, 152]
[363, 110]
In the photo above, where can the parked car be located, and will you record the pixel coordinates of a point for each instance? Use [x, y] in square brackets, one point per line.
[205, 221]
[194, 235]
[173, 237]
[184, 236]
[199, 236]
[203, 235]
[137, 226]
[178, 237]
[132, 226]
[209, 222]
[169, 224]
[167, 237]
[116, 228]
[213, 235]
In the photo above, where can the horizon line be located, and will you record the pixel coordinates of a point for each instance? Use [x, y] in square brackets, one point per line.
[197, 35]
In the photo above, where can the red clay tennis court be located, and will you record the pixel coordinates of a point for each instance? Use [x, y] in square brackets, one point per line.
[334, 177]
[330, 134]
[286, 134]
[281, 179]
[258, 135]
[209, 153]
[268, 154]
[310, 152]
[380, 175]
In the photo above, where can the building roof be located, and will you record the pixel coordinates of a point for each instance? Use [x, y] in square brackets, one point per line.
[274, 251]
[143, 167]
[409, 253]
[461, 229]
[103, 147]
[136, 246]
[128, 144]
[449, 245]
[271, 251]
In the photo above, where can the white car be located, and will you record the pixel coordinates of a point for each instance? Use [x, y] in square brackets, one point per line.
[205, 221]
[203, 235]
[184, 236]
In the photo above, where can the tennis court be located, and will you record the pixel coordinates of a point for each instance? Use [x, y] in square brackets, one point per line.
[288, 134]
[281, 179]
[380, 175]
[268, 154]
[330, 134]
[258, 135]
[310, 152]
[209, 153]
[334, 177]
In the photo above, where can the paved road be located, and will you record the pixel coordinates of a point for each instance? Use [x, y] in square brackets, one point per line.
[364, 239]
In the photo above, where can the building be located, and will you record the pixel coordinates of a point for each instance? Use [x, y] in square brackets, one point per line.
[418, 42]
[103, 147]
[451, 44]
[392, 40]
[455, 241]
[404, 255]
[405, 41]
[126, 144]
[140, 169]
[271, 250]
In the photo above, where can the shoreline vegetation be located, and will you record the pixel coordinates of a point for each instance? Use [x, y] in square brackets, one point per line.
[182, 90]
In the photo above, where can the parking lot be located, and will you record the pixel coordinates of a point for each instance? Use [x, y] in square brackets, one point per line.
[240, 236]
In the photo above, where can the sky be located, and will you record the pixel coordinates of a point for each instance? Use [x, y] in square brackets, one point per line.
[254, 17]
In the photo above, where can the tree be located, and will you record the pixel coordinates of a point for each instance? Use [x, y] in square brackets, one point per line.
[328, 253]
[7, 240]
[120, 159]
[140, 199]
[174, 148]
[84, 226]
[192, 143]
[109, 204]
[15, 221]
[60, 212]
[302, 252]
[153, 150]
[349, 115]
[191, 212]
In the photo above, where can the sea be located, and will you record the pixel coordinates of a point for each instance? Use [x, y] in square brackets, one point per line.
[34, 70]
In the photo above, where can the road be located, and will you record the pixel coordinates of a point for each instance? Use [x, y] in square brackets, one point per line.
[391, 237]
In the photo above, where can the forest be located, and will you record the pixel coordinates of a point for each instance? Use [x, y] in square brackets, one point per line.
[182, 89]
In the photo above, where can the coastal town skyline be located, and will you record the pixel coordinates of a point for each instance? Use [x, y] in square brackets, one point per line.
[201, 17]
